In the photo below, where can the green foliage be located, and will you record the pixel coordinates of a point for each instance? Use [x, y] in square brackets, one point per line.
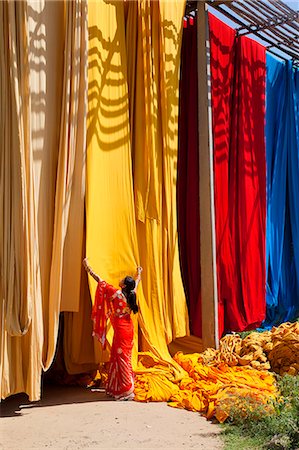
[275, 427]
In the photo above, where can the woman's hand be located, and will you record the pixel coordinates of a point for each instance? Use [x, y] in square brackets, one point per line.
[90, 271]
[138, 279]
[85, 264]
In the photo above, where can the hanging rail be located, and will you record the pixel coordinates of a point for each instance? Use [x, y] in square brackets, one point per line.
[272, 21]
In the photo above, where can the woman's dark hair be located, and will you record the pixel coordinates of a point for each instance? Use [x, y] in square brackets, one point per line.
[129, 293]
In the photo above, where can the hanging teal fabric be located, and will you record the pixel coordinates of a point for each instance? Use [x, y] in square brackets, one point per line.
[282, 234]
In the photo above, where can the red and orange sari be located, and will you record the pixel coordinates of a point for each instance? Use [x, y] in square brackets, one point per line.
[110, 303]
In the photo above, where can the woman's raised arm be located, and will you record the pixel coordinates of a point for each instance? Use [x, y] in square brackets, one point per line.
[89, 270]
[138, 278]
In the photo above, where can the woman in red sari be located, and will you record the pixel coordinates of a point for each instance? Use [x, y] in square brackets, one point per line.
[116, 305]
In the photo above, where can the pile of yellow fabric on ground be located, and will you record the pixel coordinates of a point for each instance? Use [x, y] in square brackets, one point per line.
[155, 380]
[277, 349]
[202, 387]
[234, 351]
[284, 355]
[207, 386]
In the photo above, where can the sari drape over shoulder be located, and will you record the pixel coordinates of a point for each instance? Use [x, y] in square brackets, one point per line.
[102, 310]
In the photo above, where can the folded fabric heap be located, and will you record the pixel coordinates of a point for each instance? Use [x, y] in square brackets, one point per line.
[284, 355]
[215, 381]
[276, 350]
[212, 389]
[155, 380]
[202, 388]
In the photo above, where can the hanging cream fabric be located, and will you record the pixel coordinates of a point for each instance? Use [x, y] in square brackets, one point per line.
[16, 183]
[154, 128]
[81, 351]
[58, 135]
[43, 190]
[46, 30]
[21, 315]
[73, 130]
[70, 182]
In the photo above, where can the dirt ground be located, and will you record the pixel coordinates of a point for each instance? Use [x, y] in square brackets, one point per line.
[75, 418]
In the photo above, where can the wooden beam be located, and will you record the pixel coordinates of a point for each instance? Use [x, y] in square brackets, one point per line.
[206, 186]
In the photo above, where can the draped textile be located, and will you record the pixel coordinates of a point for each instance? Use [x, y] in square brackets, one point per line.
[188, 178]
[113, 243]
[102, 310]
[248, 189]
[45, 25]
[171, 14]
[67, 243]
[44, 186]
[73, 142]
[20, 310]
[58, 39]
[52, 181]
[238, 103]
[282, 137]
[16, 183]
[222, 44]
[81, 352]
[154, 131]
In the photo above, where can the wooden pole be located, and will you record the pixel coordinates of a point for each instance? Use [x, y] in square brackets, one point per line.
[206, 186]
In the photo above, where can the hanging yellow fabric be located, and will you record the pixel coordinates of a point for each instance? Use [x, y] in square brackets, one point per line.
[111, 235]
[171, 19]
[112, 244]
[153, 93]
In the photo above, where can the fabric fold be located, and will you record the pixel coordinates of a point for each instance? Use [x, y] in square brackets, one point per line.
[282, 137]
[188, 178]
[238, 105]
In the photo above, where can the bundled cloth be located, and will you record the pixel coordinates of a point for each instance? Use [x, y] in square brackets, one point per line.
[284, 355]
[202, 388]
[212, 389]
[155, 380]
[277, 350]
[235, 351]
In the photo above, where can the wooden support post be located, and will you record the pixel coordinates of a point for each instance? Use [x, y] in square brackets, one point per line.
[206, 186]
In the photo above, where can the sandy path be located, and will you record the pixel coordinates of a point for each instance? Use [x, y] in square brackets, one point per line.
[74, 418]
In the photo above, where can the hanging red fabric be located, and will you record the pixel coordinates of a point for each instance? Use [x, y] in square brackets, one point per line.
[222, 44]
[188, 178]
[248, 183]
[238, 107]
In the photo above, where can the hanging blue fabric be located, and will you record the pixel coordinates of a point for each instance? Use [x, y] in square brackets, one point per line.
[282, 154]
